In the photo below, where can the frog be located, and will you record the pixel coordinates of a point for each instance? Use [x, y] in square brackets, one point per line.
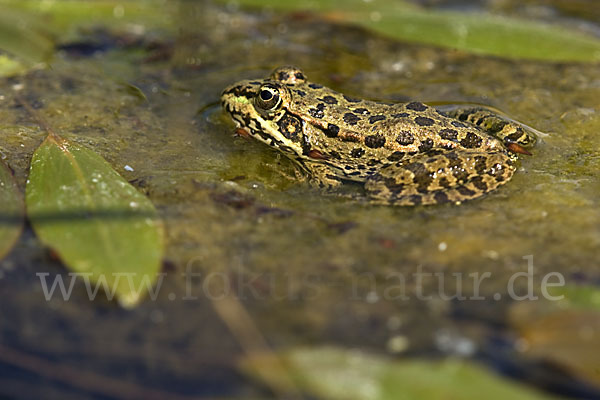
[404, 154]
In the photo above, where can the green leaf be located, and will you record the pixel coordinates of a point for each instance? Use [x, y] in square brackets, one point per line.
[580, 297]
[24, 37]
[487, 34]
[65, 18]
[94, 219]
[10, 67]
[134, 91]
[473, 32]
[11, 211]
[334, 373]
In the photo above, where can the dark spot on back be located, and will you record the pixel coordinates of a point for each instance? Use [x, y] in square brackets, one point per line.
[400, 115]
[332, 130]
[316, 112]
[375, 118]
[361, 111]
[315, 86]
[330, 100]
[301, 93]
[471, 141]
[351, 99]
[358, 152]
[351, 119]
[458, 124]
[405, 138]
[424, 121]
[425, 145]
[448, 134]
[375, 141]
[416, 106]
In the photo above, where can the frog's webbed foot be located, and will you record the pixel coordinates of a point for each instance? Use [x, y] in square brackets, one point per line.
[452, 176]
[494, 124]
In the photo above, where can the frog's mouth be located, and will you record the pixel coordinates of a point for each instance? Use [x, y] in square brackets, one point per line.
[238, 101]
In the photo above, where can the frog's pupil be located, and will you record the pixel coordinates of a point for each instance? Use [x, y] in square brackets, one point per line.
[266, 95]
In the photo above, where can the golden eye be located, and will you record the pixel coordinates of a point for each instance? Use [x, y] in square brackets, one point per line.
[268, 98]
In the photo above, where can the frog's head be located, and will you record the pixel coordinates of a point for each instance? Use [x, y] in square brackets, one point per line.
[260, 107]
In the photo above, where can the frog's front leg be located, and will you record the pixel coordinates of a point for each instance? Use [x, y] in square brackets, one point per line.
[493, 124]
[453, 176]
[322, 176]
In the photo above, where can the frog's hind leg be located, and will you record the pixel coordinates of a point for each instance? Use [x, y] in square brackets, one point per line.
[492, 123]
[452, 176]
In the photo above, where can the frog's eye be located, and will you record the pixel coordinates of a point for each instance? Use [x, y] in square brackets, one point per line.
[268, 98]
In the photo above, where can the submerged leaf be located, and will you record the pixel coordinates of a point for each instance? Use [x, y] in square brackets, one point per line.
[134, 91]
[10, 66]
[24, 37]
[565, 332]
[96, 221]
[11, 211]
[568, 338]
[579, 297]
[473, 32]
[334, 373]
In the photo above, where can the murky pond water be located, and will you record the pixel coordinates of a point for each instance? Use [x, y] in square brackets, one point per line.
[309, 267]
